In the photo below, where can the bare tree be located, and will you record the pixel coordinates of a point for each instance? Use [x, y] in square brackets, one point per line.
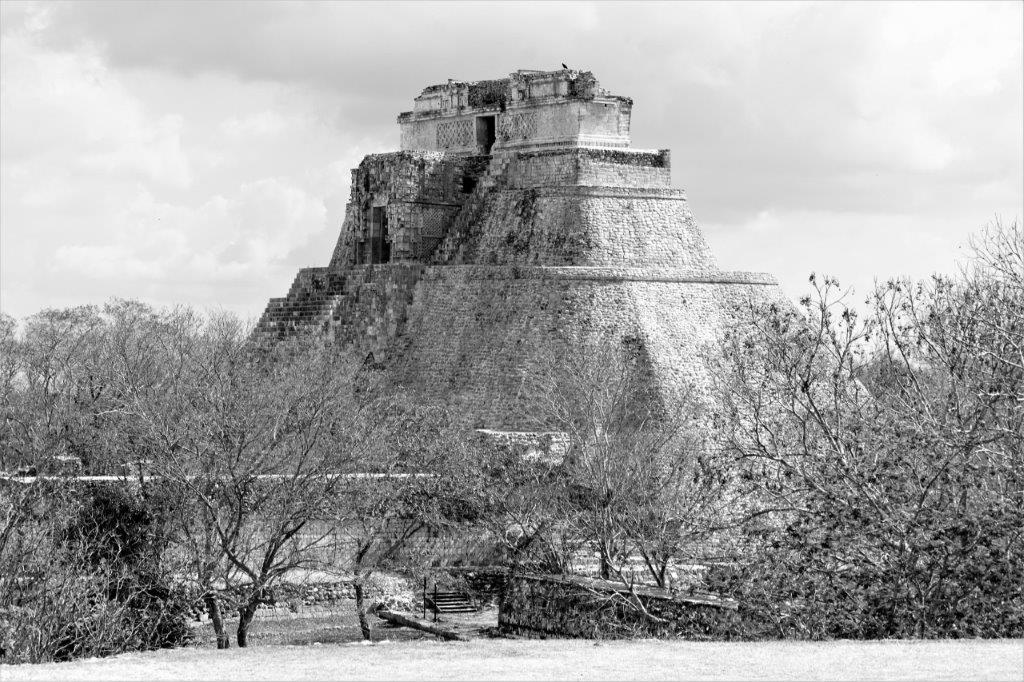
[887, 453]
[638, 482]
[409, 489]
[11, 368]
[513, 493]
[259, 439]
[59, 402]
[54, 392]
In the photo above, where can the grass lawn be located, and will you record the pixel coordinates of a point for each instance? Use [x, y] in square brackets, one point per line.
[428, 659]
[336, 628]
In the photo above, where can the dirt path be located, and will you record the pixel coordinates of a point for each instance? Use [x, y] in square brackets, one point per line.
[562, 660]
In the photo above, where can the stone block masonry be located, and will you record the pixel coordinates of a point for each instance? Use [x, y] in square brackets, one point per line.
[573, 606]
[516, 220]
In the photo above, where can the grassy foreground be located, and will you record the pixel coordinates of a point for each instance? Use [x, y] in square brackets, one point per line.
[560, 659]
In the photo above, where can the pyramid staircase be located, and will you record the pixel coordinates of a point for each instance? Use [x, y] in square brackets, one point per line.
[452, 245]
[311, 301]
[314, 299]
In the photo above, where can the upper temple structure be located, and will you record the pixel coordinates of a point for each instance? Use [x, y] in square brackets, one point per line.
[516, 218]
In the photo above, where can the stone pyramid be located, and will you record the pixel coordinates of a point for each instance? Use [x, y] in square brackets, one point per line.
[516, 218]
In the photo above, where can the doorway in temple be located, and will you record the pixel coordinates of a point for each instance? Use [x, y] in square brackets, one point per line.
[485, 133]
[380, 247]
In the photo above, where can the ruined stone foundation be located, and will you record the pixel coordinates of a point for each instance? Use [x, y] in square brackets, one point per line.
[516, 219]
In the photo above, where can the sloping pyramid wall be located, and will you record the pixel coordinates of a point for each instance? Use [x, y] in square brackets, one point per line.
[542, 250]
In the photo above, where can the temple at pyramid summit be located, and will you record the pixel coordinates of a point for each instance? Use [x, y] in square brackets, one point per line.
[516, 218]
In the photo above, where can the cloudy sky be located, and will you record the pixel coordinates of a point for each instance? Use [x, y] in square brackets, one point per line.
[199, 152]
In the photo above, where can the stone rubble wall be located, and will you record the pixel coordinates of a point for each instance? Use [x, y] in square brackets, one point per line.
[555, 606]
[326, 598]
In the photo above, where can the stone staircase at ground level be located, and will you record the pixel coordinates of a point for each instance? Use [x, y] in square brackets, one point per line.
[450, 602]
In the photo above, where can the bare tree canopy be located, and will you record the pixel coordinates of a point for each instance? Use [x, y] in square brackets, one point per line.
[888, 454]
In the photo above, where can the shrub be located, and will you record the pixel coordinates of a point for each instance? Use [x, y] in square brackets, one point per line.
[84, 575]
[882, 460]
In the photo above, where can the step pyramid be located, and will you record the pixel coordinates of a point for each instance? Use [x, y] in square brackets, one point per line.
[515, 219]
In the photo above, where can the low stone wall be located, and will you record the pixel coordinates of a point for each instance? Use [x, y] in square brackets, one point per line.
[574, 606]
[314, 599]
[285, 600]
[313, 594]
[388, 590]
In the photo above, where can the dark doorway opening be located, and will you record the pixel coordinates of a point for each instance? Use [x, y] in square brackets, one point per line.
[485, 133]
[380, 247]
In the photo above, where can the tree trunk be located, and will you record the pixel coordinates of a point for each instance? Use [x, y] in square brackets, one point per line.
[606, 564]
[364, 624]
[245, 616]
[213, 609]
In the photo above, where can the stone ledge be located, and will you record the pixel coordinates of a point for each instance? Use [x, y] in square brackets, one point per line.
[602, 191]
[599, 273]
[656, 158]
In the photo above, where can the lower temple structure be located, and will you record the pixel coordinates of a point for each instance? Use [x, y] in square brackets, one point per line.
[515, 219]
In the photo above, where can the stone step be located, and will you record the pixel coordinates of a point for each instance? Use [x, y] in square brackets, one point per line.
[450, 602]
[303, 309]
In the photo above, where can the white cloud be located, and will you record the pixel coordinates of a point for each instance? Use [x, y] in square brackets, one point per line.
[201, 152]
[116, 184]
[240, 236]
[66, 111]
[854, 247]
[901, 139]
[258, 124]
[107, 262]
